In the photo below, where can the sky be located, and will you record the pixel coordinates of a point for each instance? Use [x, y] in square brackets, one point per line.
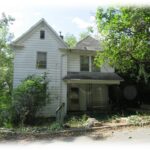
[67, 16]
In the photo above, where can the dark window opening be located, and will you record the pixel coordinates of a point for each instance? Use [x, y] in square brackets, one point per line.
[42, 34]
[84, 63]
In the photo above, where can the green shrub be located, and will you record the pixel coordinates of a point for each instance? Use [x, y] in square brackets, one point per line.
[135, 120]
[5, 117]
[77, 121]
[28, 98]
[5, 105]
[55, 126]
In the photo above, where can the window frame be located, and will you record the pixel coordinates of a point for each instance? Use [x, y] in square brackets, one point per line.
[81, 68]
[37, 62]
[42, 34]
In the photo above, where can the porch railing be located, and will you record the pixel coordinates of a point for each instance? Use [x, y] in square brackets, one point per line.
[60, 113]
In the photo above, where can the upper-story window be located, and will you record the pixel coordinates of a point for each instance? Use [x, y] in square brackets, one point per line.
[84, 63]
[41, 62]
[42, 34]
[87, 64]
[94, 68]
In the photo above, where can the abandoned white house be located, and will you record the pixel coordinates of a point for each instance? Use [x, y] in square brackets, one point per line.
[74, 79]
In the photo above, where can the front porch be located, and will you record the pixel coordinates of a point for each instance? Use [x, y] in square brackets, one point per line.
[89, 91]
[87, 97]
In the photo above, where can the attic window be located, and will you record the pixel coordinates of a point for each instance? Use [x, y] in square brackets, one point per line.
[42, 34]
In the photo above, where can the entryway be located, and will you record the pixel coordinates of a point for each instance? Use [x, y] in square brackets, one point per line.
[86, 97]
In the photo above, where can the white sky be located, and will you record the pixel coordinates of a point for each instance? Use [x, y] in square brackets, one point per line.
[68, 16]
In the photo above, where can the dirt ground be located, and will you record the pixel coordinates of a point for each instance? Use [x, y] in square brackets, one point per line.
[128, 134]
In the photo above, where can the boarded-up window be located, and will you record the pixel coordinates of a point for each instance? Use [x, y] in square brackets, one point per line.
[42, 34]
[94, 67]
[84, 63]
[41, 62]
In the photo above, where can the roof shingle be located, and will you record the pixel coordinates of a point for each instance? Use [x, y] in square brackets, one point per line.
[88, 43]
[93, 76]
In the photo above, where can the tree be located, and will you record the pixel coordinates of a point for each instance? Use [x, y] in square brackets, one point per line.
[71, 40]
[6, 68]
[88, 32]
[6, 54]
[126, 44]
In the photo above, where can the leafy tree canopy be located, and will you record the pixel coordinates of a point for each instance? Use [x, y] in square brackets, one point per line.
[71, 40]
[126, 43]
[5, 54]
[6, 70]
[88, 32]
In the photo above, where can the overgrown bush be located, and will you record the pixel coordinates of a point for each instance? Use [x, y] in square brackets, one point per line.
[5, 117]
[55, 126]
[28, 98]
[77, 121]
[5, 105]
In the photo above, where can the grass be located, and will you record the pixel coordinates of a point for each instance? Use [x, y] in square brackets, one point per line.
[80, 121]
[76, 121]
[130, 118]
[37, 129]
[139, 119]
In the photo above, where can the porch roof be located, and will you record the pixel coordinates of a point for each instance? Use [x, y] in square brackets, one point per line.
[93, 76]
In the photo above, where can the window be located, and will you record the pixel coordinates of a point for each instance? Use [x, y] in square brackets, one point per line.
[41, 60]
[42, 34]
[94, 67]
[84, 63]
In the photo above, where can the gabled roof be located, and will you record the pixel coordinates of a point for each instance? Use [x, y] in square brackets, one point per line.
[34, 26]
[88, 43]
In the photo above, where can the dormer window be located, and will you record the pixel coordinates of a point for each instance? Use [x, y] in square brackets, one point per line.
[42, 34]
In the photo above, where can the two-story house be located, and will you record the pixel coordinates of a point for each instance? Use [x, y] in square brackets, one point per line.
[74, 79]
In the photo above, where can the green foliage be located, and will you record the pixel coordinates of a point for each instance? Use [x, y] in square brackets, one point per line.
[6, 55]
[126, 39]
[28, 98]
[71, 40]
[6, 70]
[88, 32]
[5, 116]
[55, 126]
[136, 120]
[77, 121]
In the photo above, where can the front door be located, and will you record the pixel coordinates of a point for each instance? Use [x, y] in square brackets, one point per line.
[73, 98]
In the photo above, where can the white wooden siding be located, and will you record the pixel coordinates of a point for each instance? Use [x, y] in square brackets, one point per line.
[107, 68]
[25, 64]
[74, 63]
[58, 64]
